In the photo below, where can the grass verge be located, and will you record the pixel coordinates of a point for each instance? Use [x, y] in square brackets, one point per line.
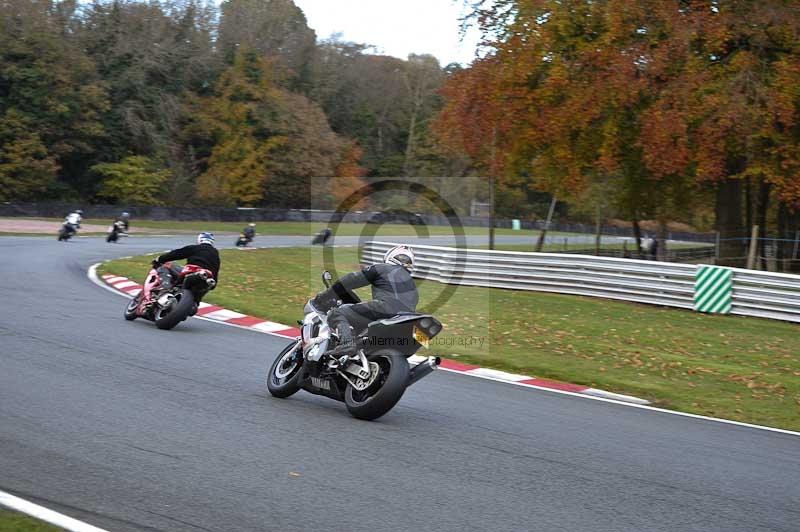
[16, 522]
[737, 368]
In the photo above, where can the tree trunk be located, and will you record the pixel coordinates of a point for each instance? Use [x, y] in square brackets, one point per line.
[637, 234]
[793, 248]
[748, 204]
[412, 126]
[661, 250]
[763, 206]
[597, 232]
[728, 210]
[783, 249]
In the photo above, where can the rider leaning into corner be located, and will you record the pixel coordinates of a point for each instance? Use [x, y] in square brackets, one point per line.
[74, 218]
[393, 292]
[250, 231]
[125, 220]
[202, 254]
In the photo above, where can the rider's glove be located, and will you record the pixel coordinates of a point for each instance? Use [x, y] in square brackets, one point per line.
[325, 300]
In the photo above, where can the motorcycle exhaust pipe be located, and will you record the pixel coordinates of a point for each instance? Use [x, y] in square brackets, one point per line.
[423, 368]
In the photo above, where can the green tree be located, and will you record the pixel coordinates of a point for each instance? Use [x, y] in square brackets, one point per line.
[49, 89]
[26, 167]
[152, 57]
[135, 180]
[276, 29]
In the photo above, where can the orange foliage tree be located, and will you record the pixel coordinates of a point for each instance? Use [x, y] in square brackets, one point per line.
[661, 99]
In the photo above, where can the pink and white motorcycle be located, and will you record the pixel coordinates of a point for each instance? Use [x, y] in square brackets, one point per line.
[168, 305]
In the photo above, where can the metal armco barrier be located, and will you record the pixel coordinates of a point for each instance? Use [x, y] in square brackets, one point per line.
[760, 294]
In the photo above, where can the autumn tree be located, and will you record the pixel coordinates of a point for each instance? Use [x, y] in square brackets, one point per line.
[662, 98]
[225, 129]
[259, 143]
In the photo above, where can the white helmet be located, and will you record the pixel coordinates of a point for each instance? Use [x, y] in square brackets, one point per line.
[400, 255]
[205, 238]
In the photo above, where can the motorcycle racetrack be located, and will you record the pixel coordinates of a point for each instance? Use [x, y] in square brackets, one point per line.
[130, 428]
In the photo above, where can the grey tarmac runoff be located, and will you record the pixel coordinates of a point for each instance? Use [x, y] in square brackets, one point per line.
[130, 428]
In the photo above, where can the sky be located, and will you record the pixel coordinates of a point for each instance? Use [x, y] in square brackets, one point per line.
[395, 27]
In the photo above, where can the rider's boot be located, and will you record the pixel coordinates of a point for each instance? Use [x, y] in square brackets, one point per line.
[346, 346]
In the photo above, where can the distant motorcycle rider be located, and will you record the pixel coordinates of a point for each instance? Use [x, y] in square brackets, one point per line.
[249, 232]
[393, 292]
[124, 219]
[72, 222]
[74, 218]
[202, 254]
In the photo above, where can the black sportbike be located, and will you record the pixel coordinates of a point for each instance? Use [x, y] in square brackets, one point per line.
[370, 382]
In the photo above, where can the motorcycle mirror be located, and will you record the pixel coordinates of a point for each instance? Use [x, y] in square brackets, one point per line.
[326, 278]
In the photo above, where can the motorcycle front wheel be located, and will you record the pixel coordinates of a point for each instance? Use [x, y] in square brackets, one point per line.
[130, 308]
[167, 318]
[384, 392]
[284, 374]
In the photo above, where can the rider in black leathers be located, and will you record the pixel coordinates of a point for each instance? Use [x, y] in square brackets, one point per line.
[393, 292]
[202, 254]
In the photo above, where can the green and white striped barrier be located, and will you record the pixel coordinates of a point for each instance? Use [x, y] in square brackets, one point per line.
[713, 289]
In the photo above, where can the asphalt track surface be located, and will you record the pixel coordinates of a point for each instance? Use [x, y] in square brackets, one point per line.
[131, 428]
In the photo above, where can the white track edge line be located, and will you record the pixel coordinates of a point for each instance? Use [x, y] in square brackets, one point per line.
[45, 514]
[630, 405]
[92, 274]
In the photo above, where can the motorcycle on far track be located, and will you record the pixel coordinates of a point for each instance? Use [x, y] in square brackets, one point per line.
[370, 382]
[116, 230]
[168, 305]
[243, 240]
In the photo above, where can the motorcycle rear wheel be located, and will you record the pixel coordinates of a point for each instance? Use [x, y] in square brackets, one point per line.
[385, 392]
[178, 311]
[284, 373]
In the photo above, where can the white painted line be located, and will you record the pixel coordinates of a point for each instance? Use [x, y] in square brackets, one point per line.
[611, 395]
[113, 279]
[498, 375]
[124, 284]
[630, 405]
[135, 292]
[44, 514]
[270, 326]
[223, 315]
[92, 274]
